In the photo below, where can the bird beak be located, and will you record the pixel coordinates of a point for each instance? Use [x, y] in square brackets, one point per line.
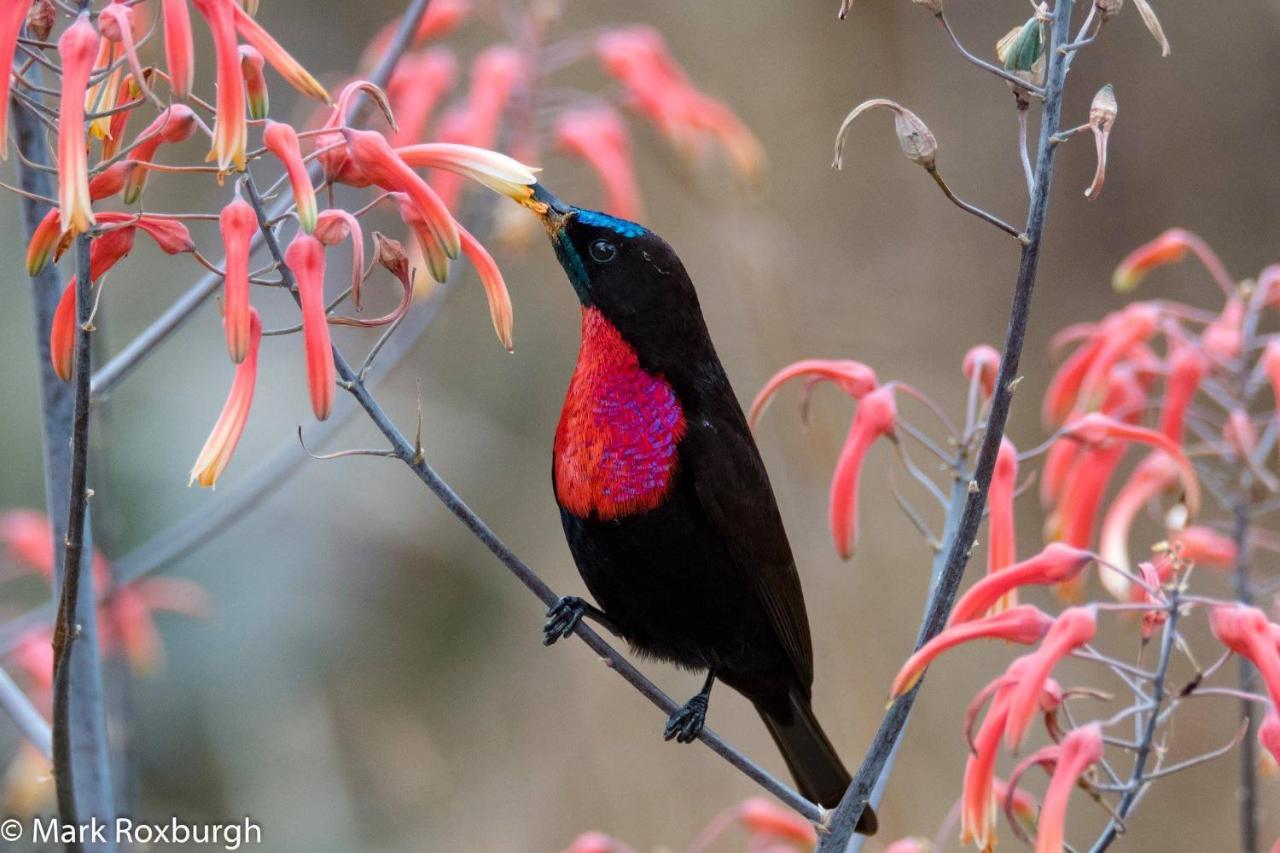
[552, 211]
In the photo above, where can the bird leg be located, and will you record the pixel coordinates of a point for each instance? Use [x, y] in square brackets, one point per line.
[686, 723]
[563, 617]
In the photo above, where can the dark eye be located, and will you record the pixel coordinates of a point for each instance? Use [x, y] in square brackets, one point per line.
[602, 251]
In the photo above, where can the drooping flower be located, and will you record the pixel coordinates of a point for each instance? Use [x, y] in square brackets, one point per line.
[1074, 627]
[12, 16]
[1247, 632]
[1079, 750]
[282, 141]
[1002, 551]
[495, 289]
[852, 377]
[305, 257]
[599, 137]
[116, 23]
[130, 91]
[875, 417]
[221, 444]
[237, 224]
[47, 235]
[1021, 624]
[1055, 564]
[332, 227]
[279, 59]
[437, 262]
[179, 48]
[104, 253]
[1205, 546]
[500, 173]
[1239, 433]
[416, 89]
[912, 844]
[1153, 476]
[174, 124]
[255, 82]
[983, 364]
[597, 842]
[1222, 338]
[1269, 734]
[761, 817]
[1187, 368]
[1170, 247]
[230, 128]
[978, 804]
[1097, 428]
[441, 18]
[77, 48]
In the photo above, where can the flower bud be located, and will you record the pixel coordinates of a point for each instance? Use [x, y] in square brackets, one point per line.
[915, 138]
[1102, 116]
[251, 65]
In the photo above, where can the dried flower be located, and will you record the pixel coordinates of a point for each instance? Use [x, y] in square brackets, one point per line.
[1102, 117]
[914, 137]
[1152, 23]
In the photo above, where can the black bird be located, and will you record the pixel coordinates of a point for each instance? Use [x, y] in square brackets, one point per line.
[665, 501]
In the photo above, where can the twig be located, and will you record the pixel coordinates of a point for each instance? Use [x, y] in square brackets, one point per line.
[873, 772]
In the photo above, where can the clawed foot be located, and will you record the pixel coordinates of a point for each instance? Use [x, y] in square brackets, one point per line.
[686, 724]
[563, 617]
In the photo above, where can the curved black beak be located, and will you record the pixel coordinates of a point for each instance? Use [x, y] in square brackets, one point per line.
[553, 210]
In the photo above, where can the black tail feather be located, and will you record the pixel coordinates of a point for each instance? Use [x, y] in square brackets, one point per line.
[810, 757]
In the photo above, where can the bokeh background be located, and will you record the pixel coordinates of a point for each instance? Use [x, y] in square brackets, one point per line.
[370, 678]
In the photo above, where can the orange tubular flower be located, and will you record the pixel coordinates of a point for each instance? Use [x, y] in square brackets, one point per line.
[1222, 337]
[77, 48]
[978, 801]
[282, 141]
[1022, 624]
[1269, 734]
[1074, 627]
[332, 227]
[852, 377]
[1169, 248]
[442, 17]
[495, 289]
[1079, 750]
[599, 137]
[293, 73]
[255, 83]
[436, 260]
[129, 92]
[12, 16]
[1187, 367]
[374, 156]
[1098, 428]
[305, 257]
[1153, 476]
[910, 845]
[1246, 631]
[1064, 388]
[1122, 333]
[876, 416]
[116, 22]
[415, 90]
[761, 817]
[179, 48]
[500, 173]
[1002, 551]
[230, 128]
[104, 253]
[237, 223]
[1205, 546]
[982, 361]
[222, 441]
[175, 124]
[596, 842]
[1055, 564]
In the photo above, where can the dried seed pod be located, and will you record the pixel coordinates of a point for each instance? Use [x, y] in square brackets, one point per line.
[1108, 9]
[915, 138]
[1102, 116]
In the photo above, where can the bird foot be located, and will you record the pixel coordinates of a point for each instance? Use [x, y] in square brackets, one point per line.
[562, 618]
[686, 723]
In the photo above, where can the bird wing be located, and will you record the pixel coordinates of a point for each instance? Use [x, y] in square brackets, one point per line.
[733, 488]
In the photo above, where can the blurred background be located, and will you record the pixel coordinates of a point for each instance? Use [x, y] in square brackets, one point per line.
[370, 678]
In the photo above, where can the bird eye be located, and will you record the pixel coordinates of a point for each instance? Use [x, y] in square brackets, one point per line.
[602, 251]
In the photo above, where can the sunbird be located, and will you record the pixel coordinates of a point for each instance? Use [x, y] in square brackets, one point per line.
[665, 501]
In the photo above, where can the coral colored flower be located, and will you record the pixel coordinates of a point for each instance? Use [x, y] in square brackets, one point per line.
[1223, 336]
[1187, 368]
[1246, 631]
[375, 158]
[875, 417]
[1064, 388]
[255, 83]
[130, 91]
[599, 137]
[596, 842]
[1055, 564]
[416, 89]
[237, 223]
[1269, 734]
[437, 262]
[1074, 627]
[1097, 428]
[1002, 550]
[1122, 333]
[495, 289]
[116, 23]
[282, 141]
[13, 15]
[982, 361]
[230, 128]
[852, 377]
[104, 253]
[1079, 750]
[1205, 546]
[1153, 476]
[288, 67]
[1018, 803]
[175, 124]
[171, 236]
[332, 227]
[305, 257]
[912, 844]
[1169, 248]
[1022, 624]
[77, 48]
[105, 88]
[1240, 433]
[500, 173]
[1057, 467]
[978, 802]
[179, 48]
[1073, 521]
[221, 444]
[441, 18]
[762, 818]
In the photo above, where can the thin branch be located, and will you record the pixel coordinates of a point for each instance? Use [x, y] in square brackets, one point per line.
[974, 209]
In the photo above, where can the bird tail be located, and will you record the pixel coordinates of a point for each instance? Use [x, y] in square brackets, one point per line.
[810, 757]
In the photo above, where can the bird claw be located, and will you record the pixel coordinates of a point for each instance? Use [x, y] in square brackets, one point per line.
[687, 722]
[562, 618]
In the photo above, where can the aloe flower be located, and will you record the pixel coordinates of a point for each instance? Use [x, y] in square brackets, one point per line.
[171, 236]
[852, 377]
[179, 48]
[500, 173]
[116, 23]
[221, 444]
[598, 137]
[1002, 550]
[77, 48]
[332, 227]
[103, 92]
[1169, 248]
[875, 418]
[1055, 564]
[1247, 632]
[1269, 734]
[978, 802]
[1222, 338]
[13, 15]
[282, 141]
[46, 236]
[442, 17]
[1153, 476]
[375, 158]
[1074, 627]
[1205, 546]
[416, 88]
[230, 128]
[982, 362]
[1021, 624]
[174, 124]
[1098, 428]
[596, 842]
[305, 257]
[1079, 750]
[437, 262]
[237, 223]
[129, 92]
[495, 289]
[104, 253]
[279, 59]
[255, 83]
[1187, 368]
